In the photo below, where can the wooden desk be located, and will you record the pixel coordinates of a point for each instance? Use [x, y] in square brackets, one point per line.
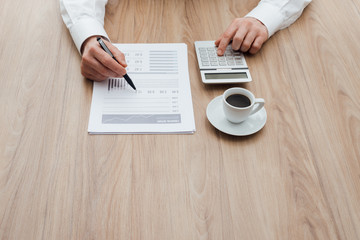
[298, 178]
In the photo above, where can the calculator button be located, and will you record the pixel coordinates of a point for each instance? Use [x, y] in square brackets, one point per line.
[213, 59]
[214, 64]
[221, 59]
[222, 63]
[229, 58]
[231, 63]
[206, 64]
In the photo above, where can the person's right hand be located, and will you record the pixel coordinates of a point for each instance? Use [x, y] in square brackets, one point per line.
[97, 65]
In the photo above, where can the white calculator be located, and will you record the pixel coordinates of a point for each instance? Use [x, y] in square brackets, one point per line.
[229, 68]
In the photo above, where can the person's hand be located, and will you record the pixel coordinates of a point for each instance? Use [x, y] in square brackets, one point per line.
[97, 65]
[247, 35]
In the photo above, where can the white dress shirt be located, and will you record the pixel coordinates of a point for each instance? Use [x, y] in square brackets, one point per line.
[85, 18]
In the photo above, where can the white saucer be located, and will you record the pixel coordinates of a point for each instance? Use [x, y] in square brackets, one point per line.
[217, 118]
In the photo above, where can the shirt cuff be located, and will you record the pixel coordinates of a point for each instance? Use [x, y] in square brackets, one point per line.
[85, 28]
[269, 15]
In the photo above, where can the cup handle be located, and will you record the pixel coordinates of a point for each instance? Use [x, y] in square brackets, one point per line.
[259, 103]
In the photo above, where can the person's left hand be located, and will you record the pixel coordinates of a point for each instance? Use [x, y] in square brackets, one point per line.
[247, 35]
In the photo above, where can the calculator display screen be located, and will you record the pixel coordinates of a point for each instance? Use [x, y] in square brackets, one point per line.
[241, 75]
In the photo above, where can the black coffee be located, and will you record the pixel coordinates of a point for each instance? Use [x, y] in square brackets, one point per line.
[238, 100]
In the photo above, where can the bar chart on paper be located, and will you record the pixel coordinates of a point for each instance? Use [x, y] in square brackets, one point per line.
[162, 102]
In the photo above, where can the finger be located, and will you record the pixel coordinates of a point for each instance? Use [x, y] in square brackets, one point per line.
[218, 41]
[106, 60]
[104, 70]
[91, 62]
[92, 74]
[249, 39]
[238, 38]
[257, 44]
[225, 40]
[97, 78]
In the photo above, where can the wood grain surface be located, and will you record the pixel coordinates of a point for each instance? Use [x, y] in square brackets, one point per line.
[298, 178]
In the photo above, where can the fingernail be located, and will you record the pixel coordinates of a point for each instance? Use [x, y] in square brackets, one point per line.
[219, 52]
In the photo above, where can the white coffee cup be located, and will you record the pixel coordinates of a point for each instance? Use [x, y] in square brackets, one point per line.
[241, 104]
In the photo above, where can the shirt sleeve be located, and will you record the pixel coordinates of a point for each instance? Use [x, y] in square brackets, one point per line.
[84, 18]
[278, 14]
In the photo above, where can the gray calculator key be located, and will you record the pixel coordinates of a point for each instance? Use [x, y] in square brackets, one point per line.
[222, 63]
[213, 59]
[214, 64]
[206, 64]
[221, 59]
[230, 63]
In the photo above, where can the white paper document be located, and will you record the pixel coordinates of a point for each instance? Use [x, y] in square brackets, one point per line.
[162, 102]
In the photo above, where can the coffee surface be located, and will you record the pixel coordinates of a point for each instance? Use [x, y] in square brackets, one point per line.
[238, 100]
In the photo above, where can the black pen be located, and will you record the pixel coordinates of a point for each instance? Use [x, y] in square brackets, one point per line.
[106, 49]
